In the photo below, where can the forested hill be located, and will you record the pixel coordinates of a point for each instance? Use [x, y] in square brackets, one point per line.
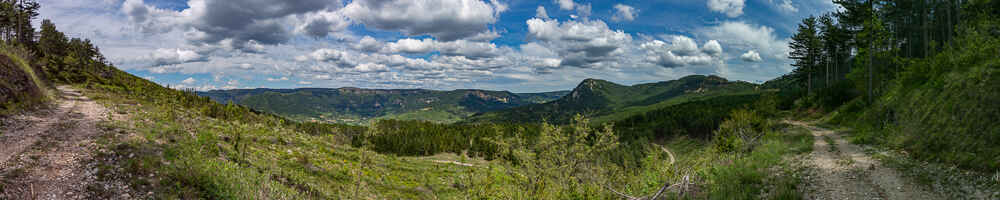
[357, 105]
[606, 101]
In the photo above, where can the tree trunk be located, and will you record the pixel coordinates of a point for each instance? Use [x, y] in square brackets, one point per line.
[924, 15]
[871, 51]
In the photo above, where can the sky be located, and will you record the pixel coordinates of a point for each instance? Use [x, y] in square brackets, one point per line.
[512, 45]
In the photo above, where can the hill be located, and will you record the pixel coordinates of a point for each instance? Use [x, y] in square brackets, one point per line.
[20, 86]
[358, 106]
[606, 101]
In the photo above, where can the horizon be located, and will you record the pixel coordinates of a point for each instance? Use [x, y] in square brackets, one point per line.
[445, 90]
[500, 45]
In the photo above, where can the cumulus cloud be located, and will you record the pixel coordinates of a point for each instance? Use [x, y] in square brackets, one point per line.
[321, 24]
[371, 67]
[624, 13]
[581, 9]
[745, 36]
[579, 43]
[162, 57]
[682, 51]
[732, 8]
[446, 20]
[541, 13]
[470, 49]
[368, 44]
[712, 47]
[410, 45]
[751, 56]
[150, 19]
[189, 81]
[566, 4]
[283, 78]
[786, 6]
[240, 25]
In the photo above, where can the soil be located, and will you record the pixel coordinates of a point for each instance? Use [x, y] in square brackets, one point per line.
[842, 170]
[48, 154]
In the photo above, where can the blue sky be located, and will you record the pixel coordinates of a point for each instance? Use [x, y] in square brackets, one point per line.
[515, 45]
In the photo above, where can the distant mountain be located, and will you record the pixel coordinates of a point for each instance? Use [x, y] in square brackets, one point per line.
[606, 101]
[357, 105]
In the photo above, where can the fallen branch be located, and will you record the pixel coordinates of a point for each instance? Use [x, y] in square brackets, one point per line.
[682, 188]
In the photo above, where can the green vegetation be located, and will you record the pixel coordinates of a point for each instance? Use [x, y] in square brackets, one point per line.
[607, 101]
[923, 81]
[21, 87]
[929, 96]
[359, 106]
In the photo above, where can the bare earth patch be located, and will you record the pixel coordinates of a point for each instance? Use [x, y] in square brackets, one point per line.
[48, 154]
[840, 170]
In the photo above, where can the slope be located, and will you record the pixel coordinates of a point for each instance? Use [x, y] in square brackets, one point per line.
[20, 87]
[606, 101]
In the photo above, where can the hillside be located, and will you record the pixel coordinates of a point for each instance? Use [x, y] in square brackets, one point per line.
[358, 106]
[20, 86]
[606, 101]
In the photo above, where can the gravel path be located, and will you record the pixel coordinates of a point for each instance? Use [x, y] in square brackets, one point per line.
[47, 154]
[840, 170]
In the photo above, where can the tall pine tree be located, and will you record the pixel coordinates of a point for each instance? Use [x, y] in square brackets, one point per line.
[806, 52]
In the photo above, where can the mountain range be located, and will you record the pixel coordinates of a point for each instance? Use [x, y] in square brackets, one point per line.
[358, 106]
[605, 101]
[599, 99]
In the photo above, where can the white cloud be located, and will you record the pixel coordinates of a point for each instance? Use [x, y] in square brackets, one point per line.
[410, 45]
[541, 13]
[624, 13]
[368, 44]
[188, 81]
[682, 52]
[579, 43]
[322, 23]
[371, 67]
[581, 9]
[732, 8]
[712, 47]
[283, 78]
[162, 57]
[745, 36]
[305, 83]
[238, 25]
[786, 6]
[324, 55]
[465, 48]
[566, 4]
[444, 19]
[751, 56]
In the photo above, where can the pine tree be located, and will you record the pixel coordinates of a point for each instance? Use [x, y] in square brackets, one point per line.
[806, 50]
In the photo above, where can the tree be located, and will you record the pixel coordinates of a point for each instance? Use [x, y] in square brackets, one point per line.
[806, 50]
[15, 20]
[52, 42]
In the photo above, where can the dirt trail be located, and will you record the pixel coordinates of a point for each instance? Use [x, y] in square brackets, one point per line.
[47, 154]
[841, 170]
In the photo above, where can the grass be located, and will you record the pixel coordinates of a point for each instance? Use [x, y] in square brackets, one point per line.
[765, 173]
[197, 157]
[952, 182]
[21, 99]
[177, 152]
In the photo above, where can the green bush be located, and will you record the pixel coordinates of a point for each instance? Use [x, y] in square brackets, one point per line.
[741, 132]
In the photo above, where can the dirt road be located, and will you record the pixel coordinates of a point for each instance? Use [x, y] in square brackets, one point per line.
[841, 170]
[46, 154]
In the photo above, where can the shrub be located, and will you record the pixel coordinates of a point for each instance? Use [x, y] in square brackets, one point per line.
[741, 133]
